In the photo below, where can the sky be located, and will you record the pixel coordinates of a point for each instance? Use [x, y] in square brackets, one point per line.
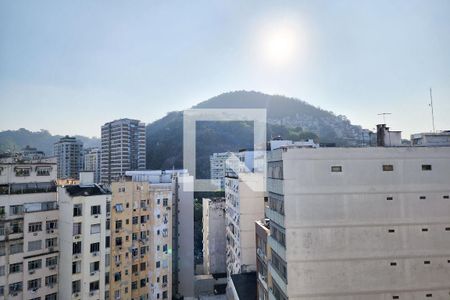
[70, 66]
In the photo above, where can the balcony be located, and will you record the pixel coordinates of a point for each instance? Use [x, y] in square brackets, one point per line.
[275, 216]
[278, 279]
[277, 247]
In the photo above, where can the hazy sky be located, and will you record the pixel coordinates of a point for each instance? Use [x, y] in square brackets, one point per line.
[71, 66]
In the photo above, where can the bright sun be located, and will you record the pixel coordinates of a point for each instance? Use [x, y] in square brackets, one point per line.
[280, 45]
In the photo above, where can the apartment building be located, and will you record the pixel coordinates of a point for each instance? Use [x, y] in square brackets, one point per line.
[220, 164]
[68, 152]
[427, 139]
[263, 256]
[359, 223]
[28, 229]
[122, 149]
[152, 245]
[91, 162]
[84, 213]
[214, 233]
[244, 205]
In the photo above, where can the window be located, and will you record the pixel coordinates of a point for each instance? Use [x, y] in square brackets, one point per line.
[429, 295]
[22, 172]
[107, 241]
[76, 267]
[34, 264]
[15, 268]
[427, 262]
[76, 228]
[118, 241]
[424, 229]
[95, 228]
[142, 266]
[336, 168]
[95, 247]
[2, 270]
[77, 210]
[134, 285]
[446, 197]
[95, 266]
[34, 245]
[51, 261]
[53, 224]
[15, 287]
[34, 284]
[16, 209]
[118, 224]
[118, 207]
[165, 201]
[389, 198]
[143, 282]
[117, 276]
[76, 286]
[143, 219]
[16, 226]
[275, 169]
[158, 264]
[34, 227]
[393, 264]
[388, 168]
[426, 167]
[76, 248]
[94, 286]
[164, 249]
[135, 220]
[43, 171]
[51, 280]
[53, 296]
[422, 197]
[50, 243]
[391, 230]
[95, 210]
[164, 295]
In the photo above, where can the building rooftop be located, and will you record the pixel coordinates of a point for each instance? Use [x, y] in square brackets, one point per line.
[88, 190]
[245, 285]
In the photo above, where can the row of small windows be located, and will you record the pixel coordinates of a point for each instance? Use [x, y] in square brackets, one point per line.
[426, 295]
[390, 198]
[385, 168]
[391, 230]
[425, 262]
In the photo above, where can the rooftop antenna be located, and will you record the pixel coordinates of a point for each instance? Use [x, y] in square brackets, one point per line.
[384, 116]
[432, 110]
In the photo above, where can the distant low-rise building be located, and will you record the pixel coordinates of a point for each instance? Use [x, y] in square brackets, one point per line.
[431, 139]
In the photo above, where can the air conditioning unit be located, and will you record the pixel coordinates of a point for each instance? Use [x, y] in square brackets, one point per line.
[35, 233]
[91, 294]
[52, 267]
[76, 295]
[31, 272]
[77, 237]
[14, 294]
[76, 256]
[96, 216]
[92, 273]
[51, 249]
[95, 253]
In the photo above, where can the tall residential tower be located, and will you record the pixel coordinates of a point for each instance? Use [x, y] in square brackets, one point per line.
[122, 149]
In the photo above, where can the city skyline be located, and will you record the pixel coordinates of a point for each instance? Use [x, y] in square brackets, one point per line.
[354, 58]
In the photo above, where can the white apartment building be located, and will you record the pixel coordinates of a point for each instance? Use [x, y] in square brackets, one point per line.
[91, 162]
[214, 233]
[244, 206]
[428, 139]
[28, 229]
[122, 149]
[220, 165]
[84, 231]
[68, 151]
[359, 223]
[181, 221]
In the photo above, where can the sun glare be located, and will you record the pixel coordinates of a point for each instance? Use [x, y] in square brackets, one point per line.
[280, 45]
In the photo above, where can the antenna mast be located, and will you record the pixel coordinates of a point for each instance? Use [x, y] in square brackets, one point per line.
[432, 110]
[384, 116]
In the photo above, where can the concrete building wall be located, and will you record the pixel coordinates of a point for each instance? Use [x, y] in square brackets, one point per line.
[87, 237]
[365, 231]
[244, 207]
[214, 236]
